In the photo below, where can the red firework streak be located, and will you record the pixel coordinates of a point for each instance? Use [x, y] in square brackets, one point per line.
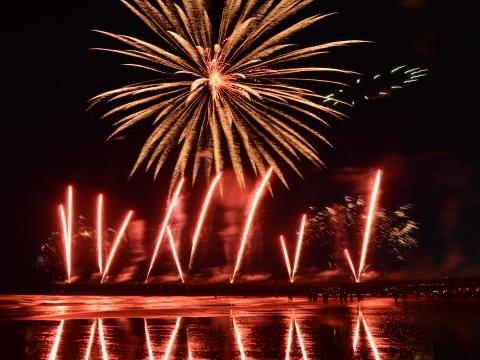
[58, 337]
[66, 221]
[291, 272]
[99, 231]
[201, 219]
[116, 243]
[249, 221]
[174, 253]
[164, 226]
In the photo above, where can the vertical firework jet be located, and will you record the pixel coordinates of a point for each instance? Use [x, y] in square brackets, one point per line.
[102, 340]
[99, 232]
[371, 212]
[249, 221]
[90, 340]
[285, 255]
[349, 259]
[66, 221]
[172, 339]
[116, 243]
[149, 344]
[238, 337]
[164, 226]
[53, 352]
[63, 220]
[201, 219]
[174, 253]
[299, 246]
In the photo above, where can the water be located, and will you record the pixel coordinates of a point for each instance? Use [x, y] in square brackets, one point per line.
[32, 327]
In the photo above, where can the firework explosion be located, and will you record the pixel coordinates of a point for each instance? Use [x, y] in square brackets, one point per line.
[223, 94]
[340, 226]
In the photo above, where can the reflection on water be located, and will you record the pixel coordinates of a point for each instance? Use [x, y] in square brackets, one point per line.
[236, 328]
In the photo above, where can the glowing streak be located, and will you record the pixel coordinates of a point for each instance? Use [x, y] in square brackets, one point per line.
[371, 213]
[190, 356]
[174, 252]
[90, 340]
[371, 340]
[249, 221]
[357, 333]
[164, 226]
[69, 229]
[99, 232]
[102, 340]
[300, 340]
[149, 344]
[53, 353]
[239, 340]
[172, 339]
[201, 219]
[349, 259]
[116, 243]
[299, 247]
[287, 259]
[65, 239]
[289, 341]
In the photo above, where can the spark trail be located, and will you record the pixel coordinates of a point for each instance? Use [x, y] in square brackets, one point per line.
[99, 231]
[285, 255]
[164, 226]
[299, 247]
[116, 243]
[371, 212]
[349, 259]
[201, 219]
[102, 340]
[149, 344]
[249, 221]
[174, 253]
[65, 239]
[238, 337]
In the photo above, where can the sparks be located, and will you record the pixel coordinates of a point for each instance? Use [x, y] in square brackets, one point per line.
[238, 337]
[249, 221]
[285, 255]
[201, 219]
[371, 213]
[172, 339]
[164, 226]
[90, 340]
[102, 340]
[174, 253]
[99, 232]
[116, 243]
[53, 353]
[299, 247]
[349, 260]
[149, 344]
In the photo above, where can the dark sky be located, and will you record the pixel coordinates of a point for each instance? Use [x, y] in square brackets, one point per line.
[425, 138]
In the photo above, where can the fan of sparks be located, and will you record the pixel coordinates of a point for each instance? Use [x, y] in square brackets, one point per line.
[232, 94]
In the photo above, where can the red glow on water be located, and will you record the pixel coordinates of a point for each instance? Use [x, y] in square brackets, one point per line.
[102, 340]
[164, 226]
[201, 219]
[248, 224]
[370, 338]
[172, 339]
[149, 344]
[116, 243]
[53, 352]
[90, 340]
[294, 325]
[238, 337]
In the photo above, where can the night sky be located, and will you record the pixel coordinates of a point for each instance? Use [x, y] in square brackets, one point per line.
[423, 137]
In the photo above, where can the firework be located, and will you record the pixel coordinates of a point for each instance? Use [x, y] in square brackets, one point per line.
[371, 213]
[289, 340]
[66, 221]
[294, 324]
[164, 226]
[116, 243]
[65, 239]
[356, 335]
[299, 246]
[53, 352]
[349, 260]
[238, 337]
[149, 344]
[249, 221]
[90, 340]
[287, 259]
[371, 340]
[206, 203]
[223, 93]
[102, 340]
[172, 339]
[99, 232]
[174, 253]
[300, 340]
